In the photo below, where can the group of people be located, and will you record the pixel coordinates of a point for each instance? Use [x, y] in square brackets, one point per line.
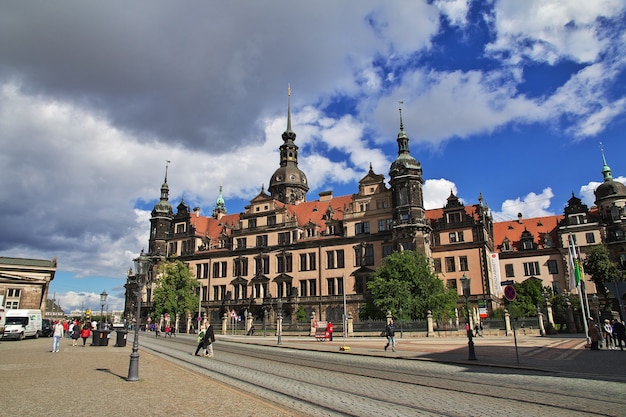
[612, 332]
[74, 330]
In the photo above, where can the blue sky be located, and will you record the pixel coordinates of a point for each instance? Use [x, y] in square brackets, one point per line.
[510, 99]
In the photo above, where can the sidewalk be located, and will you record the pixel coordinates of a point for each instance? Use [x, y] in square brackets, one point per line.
[550, 353]
[91, 380]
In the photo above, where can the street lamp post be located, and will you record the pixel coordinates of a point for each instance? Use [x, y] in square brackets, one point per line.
[465, 284]
[103, 301]
[142, 263]
[279, 320]
[264, 320]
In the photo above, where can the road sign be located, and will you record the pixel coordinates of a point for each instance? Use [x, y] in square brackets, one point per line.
[508, 282]
[509, 292]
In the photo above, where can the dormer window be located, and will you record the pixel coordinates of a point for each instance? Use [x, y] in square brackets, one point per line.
[506, 245]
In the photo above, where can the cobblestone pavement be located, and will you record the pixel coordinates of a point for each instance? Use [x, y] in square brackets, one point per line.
[90, 380]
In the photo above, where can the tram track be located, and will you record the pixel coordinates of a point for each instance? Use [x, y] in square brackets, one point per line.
[294, 376]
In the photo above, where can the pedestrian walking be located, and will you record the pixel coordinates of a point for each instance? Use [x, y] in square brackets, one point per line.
[209, 338]
[75, 332]
[619, 332]
[57, 335]
[200, 338]
[594, 334]
[85, 332]
[607, 333]
[390, 332]
[329, 328]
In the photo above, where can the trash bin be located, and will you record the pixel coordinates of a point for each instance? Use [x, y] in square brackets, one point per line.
[120, 341]
[100, 337]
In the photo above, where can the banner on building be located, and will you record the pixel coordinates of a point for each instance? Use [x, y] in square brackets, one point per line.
[495, 277]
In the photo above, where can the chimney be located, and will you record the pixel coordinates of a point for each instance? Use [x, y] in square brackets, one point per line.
[519, 218]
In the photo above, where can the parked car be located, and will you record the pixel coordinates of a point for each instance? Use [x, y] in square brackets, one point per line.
[47, 328]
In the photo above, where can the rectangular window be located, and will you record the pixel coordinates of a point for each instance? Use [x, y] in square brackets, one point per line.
[312, 287]
[180, 228]
[362, 228]
[284, 238]
[334, 259]
[261, 241]
[508, 270]
[460, 237]
[303, 292]
[387, 250]
[531, 268]
[451, 284]
[359, 285]
[251, 223]
[591, 238]
[216, 292]
[463, 263]
[450, 266]
[284, 264]
[330, 283]
[454, 217]
[340, 286]
[240, 267]
[452, 237]
[553, 266]
[219, 269]
[271, 220]
[308, 261]
[262, 265]
[437, 265]
[242, 242]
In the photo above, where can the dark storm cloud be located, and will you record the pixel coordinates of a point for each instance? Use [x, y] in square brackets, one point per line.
[197, 73]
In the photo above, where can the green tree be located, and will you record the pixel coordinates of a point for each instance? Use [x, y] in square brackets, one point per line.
[175, 290]
[598, 264]
[301, 314]
[406, 281]
[529, 296]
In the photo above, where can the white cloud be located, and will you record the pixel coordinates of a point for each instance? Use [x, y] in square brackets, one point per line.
[455, 10]
[437, 191]
[531, 205]
[550, 30]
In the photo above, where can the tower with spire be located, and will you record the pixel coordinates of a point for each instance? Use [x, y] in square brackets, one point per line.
[611, 203]
[220, 207]
[410, 228]
[161, 221]
[288, 183]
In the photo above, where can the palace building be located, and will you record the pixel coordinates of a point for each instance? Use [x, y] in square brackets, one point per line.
[289, 249]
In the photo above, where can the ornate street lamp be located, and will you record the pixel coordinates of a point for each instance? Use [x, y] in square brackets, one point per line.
[142, 264]
[103, 301]
[465, 284]
[279, 320]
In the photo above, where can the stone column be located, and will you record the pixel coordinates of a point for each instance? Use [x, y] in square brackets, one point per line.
[507, 323]
[249, 322]
[224, 323]
[188, 321]
[350, 325]
[549, 310]
[431, 328]
[313, 324]
[542, 329]
[177, 321]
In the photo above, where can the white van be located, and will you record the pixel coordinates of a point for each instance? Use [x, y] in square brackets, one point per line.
[2, 317]
[22, 323]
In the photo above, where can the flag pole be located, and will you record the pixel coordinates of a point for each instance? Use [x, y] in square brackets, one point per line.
[576, 278]
[345, 315]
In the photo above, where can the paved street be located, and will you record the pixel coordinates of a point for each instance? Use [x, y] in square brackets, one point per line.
[95, 375]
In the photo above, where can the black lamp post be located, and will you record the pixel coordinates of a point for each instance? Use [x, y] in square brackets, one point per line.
[465, 284]
[142, 264]
[103, 301]
[279, 320]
